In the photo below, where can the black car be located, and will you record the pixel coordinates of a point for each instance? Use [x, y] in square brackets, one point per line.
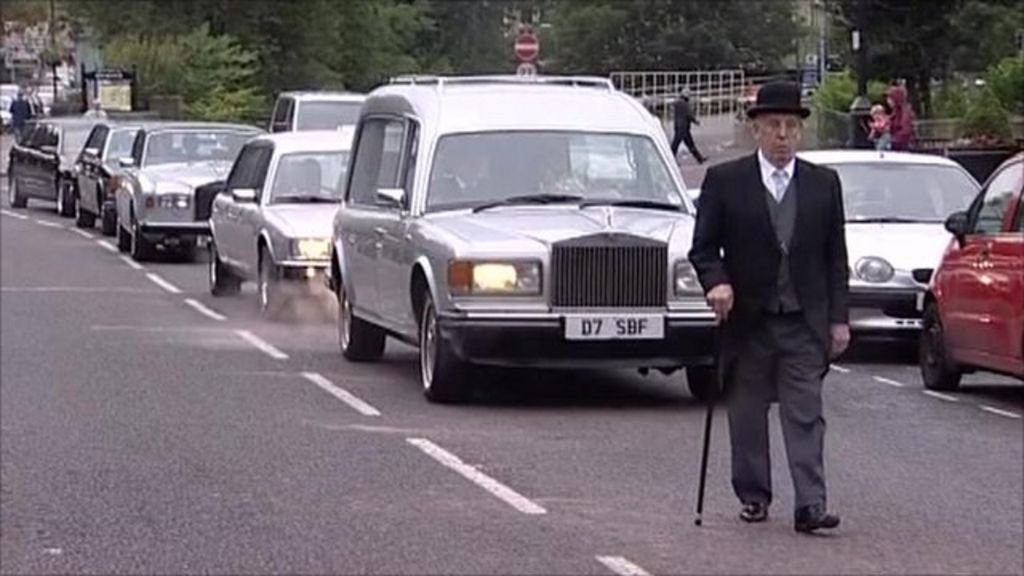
[95, 168]
[42, 162]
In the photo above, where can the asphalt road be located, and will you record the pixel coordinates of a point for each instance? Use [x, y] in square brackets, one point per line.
[147, 427]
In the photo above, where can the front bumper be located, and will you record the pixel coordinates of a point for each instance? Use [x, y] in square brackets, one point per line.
[538, 340]
[886, 312]
[302, 278]
[175, 229]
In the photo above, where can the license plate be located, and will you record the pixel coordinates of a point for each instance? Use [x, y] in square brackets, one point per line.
[615, 327]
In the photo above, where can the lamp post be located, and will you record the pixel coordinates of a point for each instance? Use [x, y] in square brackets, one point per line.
[860, 109]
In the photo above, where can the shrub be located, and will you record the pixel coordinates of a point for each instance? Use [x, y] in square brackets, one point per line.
[837, 92]
[986, 122]
[950, 100]
[1006, 79]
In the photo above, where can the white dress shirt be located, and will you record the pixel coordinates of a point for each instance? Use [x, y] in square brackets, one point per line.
[768, 170]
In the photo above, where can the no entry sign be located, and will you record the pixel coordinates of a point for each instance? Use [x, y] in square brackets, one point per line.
[527, 47]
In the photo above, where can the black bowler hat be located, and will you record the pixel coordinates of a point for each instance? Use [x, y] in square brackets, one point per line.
[778, 97]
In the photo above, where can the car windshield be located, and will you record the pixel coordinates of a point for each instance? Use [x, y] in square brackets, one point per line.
[327, 115]
[473, 170]
[876, 192]
[121, 144]
[194, 146]
[74, 138]
[305, 177]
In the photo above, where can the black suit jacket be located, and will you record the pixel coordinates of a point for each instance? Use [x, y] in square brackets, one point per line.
[734, 243]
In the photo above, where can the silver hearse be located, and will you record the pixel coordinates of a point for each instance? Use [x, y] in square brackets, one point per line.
[272, 222]
[516, 221]
[155, 195]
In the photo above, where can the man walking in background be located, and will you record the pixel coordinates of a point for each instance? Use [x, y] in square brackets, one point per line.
[682, 119]
[770, 250]
[21, 112]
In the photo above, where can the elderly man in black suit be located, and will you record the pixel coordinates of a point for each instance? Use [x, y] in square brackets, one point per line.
[770, 250]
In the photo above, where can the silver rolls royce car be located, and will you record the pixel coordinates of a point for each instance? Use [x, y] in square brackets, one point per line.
[896, 205]
[155, 189]
[272, 222]
[517, 221]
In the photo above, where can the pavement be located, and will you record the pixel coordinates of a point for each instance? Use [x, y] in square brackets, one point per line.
[147, 427]
[716, 138]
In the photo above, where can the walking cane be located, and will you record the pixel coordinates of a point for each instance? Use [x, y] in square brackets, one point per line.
[707, 431]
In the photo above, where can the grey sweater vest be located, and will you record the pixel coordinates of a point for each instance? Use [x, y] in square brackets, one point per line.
[783, 216]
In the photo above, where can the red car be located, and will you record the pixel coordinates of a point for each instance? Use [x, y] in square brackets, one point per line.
[974, 313]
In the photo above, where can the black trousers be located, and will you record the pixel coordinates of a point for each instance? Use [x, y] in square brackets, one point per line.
[684, 136]
[784, 360]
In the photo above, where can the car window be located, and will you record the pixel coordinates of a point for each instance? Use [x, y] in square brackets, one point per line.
[182, 146]
[378, 159]
[73, 139]
[327, 115]
[309, 177]
[995, 202]
[250, 170]
[915, 192]
[473, 169]
[96, 138]
[282, 114]
[138, 144]
[120, 143]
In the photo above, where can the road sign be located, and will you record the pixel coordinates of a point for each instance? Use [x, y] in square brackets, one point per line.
[527, 47]
[526, 69]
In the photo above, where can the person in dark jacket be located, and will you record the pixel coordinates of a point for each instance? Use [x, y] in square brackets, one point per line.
[683, 118]
[21, 112]
[769, 248]
[901, 123]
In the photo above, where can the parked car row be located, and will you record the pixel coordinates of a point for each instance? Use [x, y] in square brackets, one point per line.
[526, 221]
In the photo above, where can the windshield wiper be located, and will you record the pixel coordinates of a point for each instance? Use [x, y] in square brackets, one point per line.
[529, 199]
[888, 220]
[650, 204]
[305, 199]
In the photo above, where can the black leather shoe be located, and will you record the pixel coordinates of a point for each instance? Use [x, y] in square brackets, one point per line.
[811, 518]
[754, 512]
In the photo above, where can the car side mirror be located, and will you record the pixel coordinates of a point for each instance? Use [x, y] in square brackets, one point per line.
[93, 152]
[392, 197]
[126, 162]
[957, 224]
[244, 194]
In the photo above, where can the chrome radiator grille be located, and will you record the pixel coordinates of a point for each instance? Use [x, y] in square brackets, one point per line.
[609, 271]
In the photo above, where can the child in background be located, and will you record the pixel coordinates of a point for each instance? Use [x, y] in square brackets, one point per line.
[880, 125]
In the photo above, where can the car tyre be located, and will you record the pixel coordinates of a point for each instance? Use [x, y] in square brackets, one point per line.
[222, 281]
[268, 288]
[442, 374]
[14, 195]
[108, 222]
[141, 248]
[702, 382]
[124, 239]
[359, 340]
[187, 251]
[938, 370]
[66, 205]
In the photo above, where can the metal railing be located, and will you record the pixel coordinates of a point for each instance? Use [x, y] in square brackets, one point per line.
[712, 92]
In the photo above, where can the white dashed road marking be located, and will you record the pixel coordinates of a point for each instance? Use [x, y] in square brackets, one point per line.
[1000, 412]
[13, 214]
[132, 263]
[155, 279]
[887, 381]
[497, 489]
[341, 394]
[621, 566]
[48, 224]
[941, 396]
[261, 345]
[107, 246]
[202, 309]
[82, 233]
[840, 369]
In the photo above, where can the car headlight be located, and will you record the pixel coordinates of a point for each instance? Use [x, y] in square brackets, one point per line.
[875, 270]
[467, 278]
[311, 248]
[179, 201]
[686, 281]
